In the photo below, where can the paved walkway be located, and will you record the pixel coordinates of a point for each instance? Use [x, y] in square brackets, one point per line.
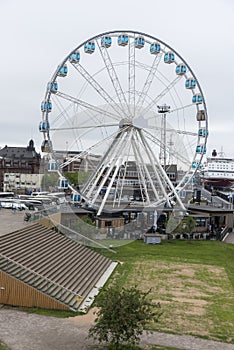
[230, 238]
[23, 331]
[11, 220]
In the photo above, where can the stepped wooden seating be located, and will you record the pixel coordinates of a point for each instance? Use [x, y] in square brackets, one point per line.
[52, 263]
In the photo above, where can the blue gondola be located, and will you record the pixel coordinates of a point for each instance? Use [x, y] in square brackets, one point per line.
[169, 57]
[202, 132]
[75, 198]
[190, 83]
[181, 69]
[75, 57]
[89, 47]
[53, 87]
[46, 146]
[63, 71]
[196, 165]
[106, 41]
[139, 42]
[123, 40]
[44, 126]
[155, 48]
[46, 106]
[201, 115]
[52, 166]
[197, 98]
[62, 183]
[201, 149]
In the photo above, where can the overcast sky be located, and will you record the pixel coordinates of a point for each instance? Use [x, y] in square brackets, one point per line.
[37, 35]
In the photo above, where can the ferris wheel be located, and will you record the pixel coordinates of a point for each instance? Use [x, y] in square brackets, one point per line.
[126, 112]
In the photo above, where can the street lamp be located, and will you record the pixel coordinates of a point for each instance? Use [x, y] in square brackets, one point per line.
[164, 109]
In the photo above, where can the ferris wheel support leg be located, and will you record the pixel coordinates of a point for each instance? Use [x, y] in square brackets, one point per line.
[154, 161]
[148, 174]
[114, 155]
[140, 172]
[108, 189]
[117, 164]
[97, 175]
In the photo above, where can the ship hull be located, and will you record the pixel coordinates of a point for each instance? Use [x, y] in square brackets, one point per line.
[218, 182]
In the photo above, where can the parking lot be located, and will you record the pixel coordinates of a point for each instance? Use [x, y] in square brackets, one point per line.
[11, 220]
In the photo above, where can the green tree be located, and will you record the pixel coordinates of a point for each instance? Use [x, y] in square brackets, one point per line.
[123, 315]
[49, 181]
[78, 177]
[187, 225]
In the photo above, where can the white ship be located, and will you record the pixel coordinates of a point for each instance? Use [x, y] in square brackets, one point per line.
[219, 171]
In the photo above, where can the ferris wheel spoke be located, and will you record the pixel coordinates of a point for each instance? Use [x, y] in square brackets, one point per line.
[163, 93]
[84, 127]
[131, 78]
[170, 150]
[99, 89]
[113, 78]
[170, 130]
[148, 82]
[82, 154]
[181, 108]
[63, 111]
[87, 105]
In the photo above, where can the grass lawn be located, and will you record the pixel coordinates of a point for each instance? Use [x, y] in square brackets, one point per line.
[192, 280]
[3, 346]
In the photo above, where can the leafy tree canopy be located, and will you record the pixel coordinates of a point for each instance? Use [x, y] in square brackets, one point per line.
[123, 315]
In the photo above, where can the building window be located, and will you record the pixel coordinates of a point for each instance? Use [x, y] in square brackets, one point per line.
[108, 223]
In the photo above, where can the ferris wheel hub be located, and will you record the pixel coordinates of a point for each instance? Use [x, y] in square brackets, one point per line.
[125, 122]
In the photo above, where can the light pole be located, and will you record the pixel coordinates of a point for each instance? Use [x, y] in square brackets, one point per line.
[164, 109]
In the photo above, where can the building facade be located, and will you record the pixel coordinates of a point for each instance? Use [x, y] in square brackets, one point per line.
[18, 160]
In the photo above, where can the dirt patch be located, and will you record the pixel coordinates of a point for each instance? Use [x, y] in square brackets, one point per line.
[86, 319]
[186, 292]
[191, 301]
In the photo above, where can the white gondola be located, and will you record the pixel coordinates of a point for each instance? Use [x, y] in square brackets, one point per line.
[200, 149]
[169, 57]
[123, 40]
[190, 83]
[46, 106]
[201, 115]
[75, 198]
[44, 126]
[63, 71]
[197, 98]
[53, 87]
[46, 146]
[106, 41]
[139, 42]
[181, 69]
[155, 48]
[196, 165]
[89, 47]
[62, 183]
[202, 132]
[75, 57]
[52, 166]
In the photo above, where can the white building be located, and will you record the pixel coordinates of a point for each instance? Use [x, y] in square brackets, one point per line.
[18, 182]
